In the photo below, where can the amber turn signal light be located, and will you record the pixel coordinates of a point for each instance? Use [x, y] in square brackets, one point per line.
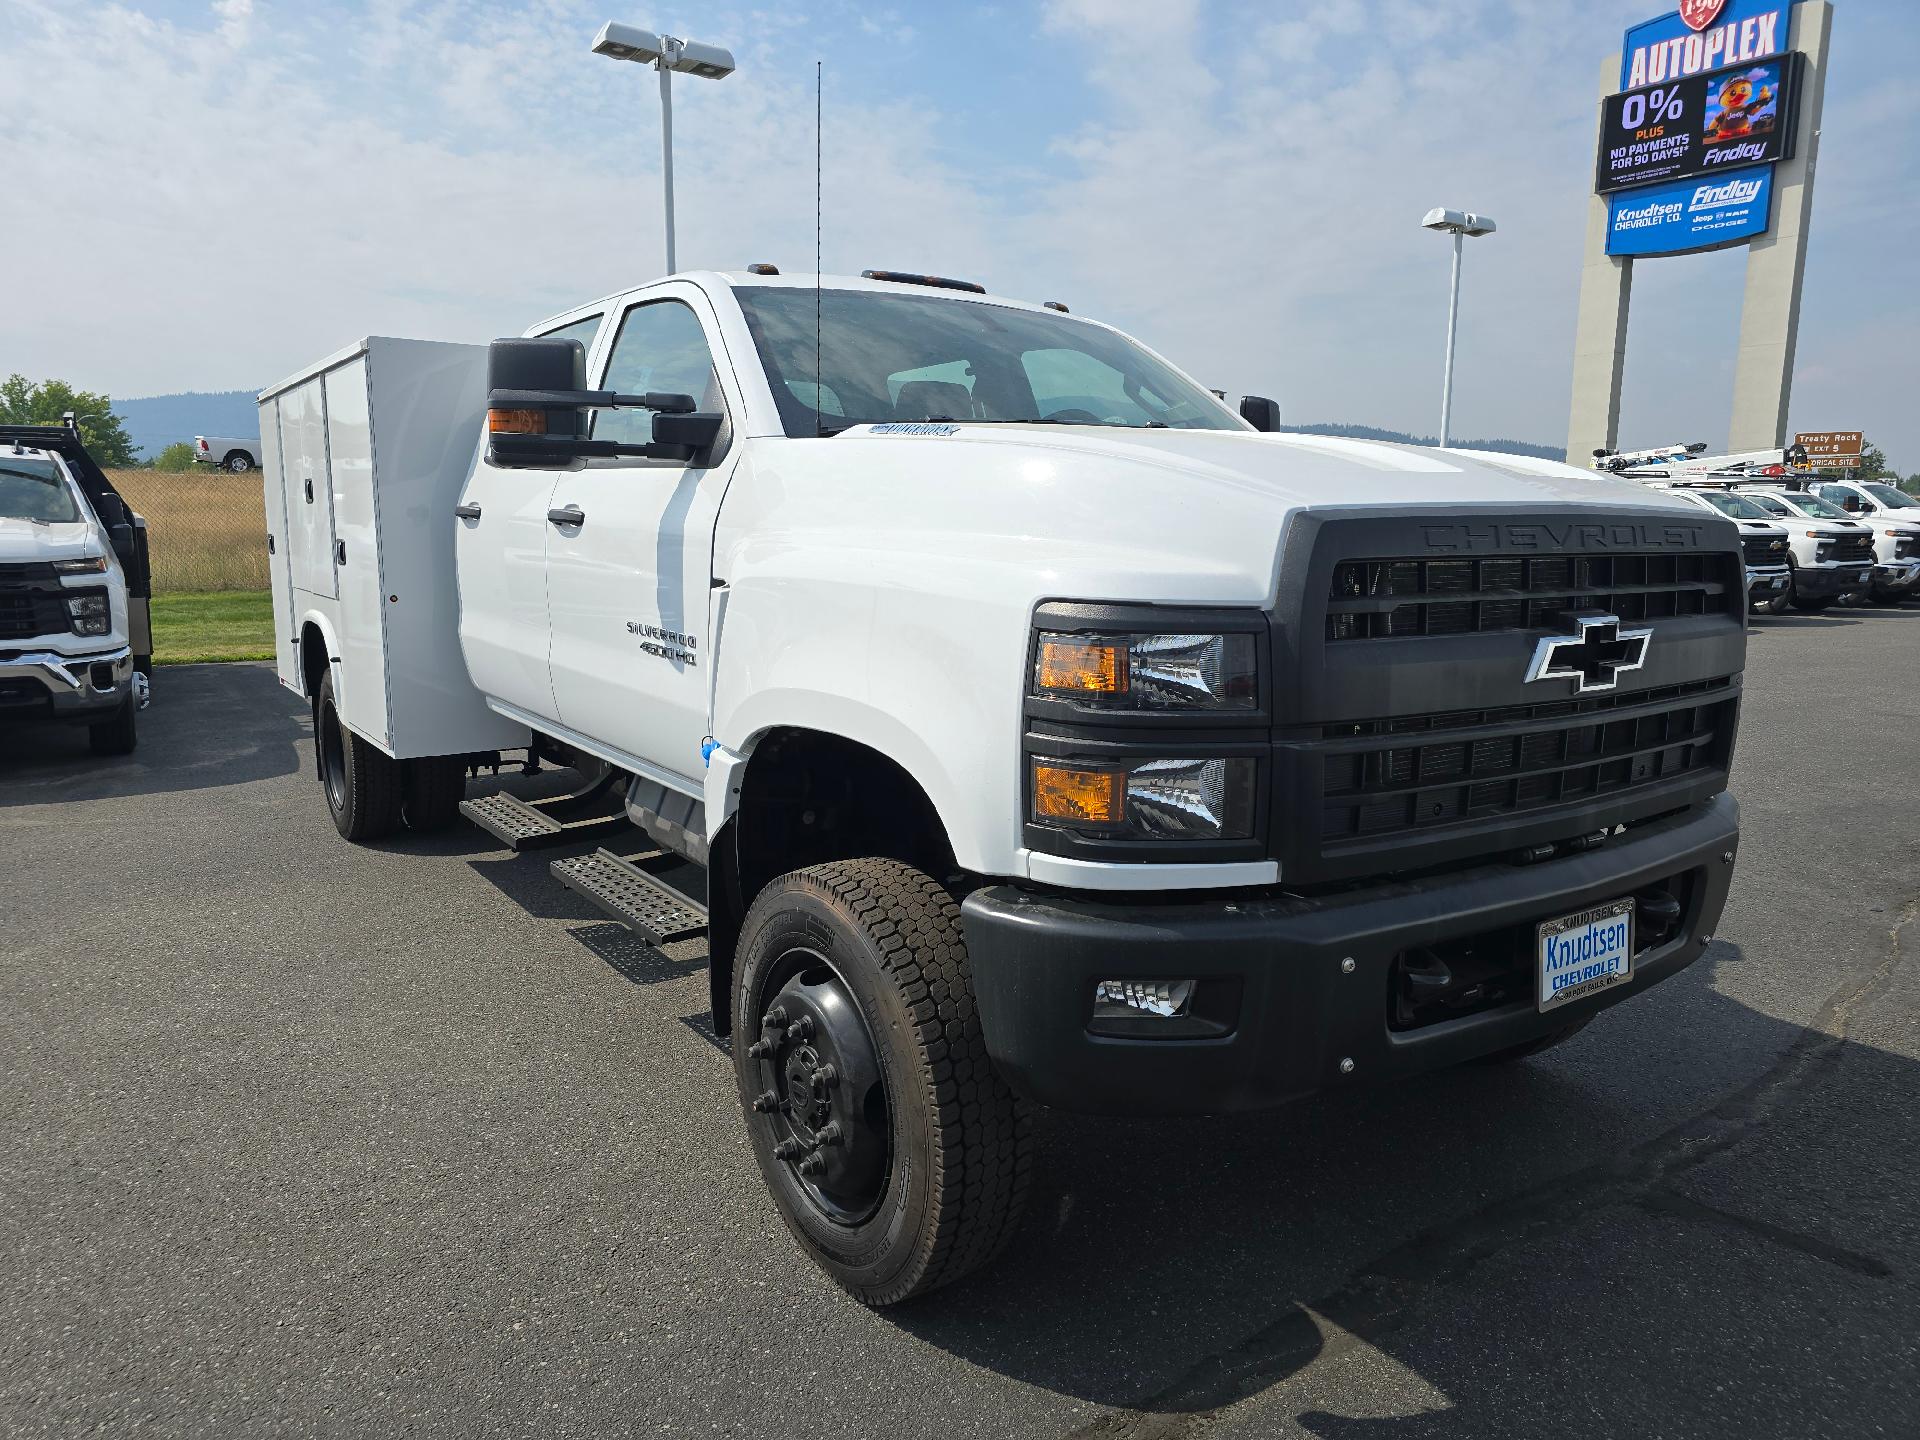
[1089, 667]
[517, 422]
[1077, 797]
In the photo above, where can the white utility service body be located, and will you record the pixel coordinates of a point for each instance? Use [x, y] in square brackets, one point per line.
[363, 458]
[1040, 729]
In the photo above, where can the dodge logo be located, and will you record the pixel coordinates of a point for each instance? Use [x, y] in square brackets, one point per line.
[1595, 658]
[1701, 13]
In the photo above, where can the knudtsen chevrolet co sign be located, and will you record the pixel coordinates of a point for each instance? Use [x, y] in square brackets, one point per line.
[1691, 214]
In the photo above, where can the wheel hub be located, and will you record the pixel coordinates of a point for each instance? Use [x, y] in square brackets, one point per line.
[823, 1102]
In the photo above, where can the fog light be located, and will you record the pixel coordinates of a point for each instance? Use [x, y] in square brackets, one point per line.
[1124, 999]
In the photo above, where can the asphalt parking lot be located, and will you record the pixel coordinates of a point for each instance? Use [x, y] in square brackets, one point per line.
[298, 1137]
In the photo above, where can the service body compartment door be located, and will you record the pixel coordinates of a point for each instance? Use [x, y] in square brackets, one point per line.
[356, 553]
[273, 485]
[303, 442]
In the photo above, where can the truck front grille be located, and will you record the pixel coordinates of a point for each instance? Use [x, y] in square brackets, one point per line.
[1851, 550]
[1759, 550]
[1420, 772]
[27, 613]
[1373, 599]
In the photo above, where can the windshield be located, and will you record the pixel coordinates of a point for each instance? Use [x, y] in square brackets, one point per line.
[1820, 509]
[886, 357]
[1738, 506]
[1772, 506]
[1891, 498]
[35, 490]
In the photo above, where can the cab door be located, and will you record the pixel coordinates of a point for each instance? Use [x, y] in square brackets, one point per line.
[630, 553]
[500, 556]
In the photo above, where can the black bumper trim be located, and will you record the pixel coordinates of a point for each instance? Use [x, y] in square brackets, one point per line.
[1036, 957]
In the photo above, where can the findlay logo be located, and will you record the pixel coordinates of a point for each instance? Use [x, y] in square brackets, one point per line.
[1701, 13]
[1734, 154]
[1734, 192]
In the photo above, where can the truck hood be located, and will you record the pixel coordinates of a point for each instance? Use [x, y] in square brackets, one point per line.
[27, 541]
[1175, 516]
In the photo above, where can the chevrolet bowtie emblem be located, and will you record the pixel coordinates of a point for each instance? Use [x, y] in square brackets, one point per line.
[1595, 658]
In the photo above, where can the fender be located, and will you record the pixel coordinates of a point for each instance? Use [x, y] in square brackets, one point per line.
[320, 622]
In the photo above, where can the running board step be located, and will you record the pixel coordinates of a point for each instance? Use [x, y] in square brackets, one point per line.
[651, 908]
[519, 825]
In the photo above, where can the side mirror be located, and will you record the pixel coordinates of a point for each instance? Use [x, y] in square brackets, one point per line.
[120, 537]
[536, 399]
[1851, 504]
[1260, 412]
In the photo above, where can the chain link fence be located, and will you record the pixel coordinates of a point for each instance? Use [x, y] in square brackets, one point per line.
[206, 529]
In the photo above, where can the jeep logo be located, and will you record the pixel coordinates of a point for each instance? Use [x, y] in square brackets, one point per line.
[1546, 536]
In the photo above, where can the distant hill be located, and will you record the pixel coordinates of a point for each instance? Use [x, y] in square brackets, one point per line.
[158, 420]
[1400, 437]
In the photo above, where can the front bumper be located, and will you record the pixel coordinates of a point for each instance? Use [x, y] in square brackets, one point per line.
[1767, 583]
[82, 687]
[1821, 582]
[1277, 966]
[1896, 576]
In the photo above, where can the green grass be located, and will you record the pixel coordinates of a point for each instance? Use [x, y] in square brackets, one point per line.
[190, 626]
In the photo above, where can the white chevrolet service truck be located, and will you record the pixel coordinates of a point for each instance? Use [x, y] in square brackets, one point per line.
[1019, 724]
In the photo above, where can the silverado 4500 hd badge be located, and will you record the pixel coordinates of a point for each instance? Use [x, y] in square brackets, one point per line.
[667, 644]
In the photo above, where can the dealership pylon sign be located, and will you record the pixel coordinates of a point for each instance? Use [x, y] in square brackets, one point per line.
[1708, 124]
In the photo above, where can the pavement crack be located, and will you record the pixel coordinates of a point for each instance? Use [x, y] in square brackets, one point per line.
[1379, 1296]
[1685, 1207]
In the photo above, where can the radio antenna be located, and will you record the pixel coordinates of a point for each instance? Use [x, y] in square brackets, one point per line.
[817, 87]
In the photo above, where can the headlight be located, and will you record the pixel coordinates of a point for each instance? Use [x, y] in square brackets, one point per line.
[1148, 672]
[92, 603]
[88, 613]
[89, 565]
[1148, 799]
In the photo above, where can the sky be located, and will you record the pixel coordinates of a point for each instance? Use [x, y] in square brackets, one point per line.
[208, 194]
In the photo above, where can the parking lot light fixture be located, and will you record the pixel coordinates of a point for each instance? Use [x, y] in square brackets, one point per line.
[1459, 224]
[667, 54]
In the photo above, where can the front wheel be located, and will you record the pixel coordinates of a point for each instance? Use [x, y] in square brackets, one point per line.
[115, 735]
[898, 1157]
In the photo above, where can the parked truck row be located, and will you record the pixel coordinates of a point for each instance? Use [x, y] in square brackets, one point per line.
[1018, 723]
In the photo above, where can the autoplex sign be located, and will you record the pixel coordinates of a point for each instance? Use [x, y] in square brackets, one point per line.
[1702, 125]
[1691, 214]
[1703, 35]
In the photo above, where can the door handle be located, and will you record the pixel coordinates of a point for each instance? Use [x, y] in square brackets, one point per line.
[309, 487]
[469, 511]
[567, 515]
[339, 552]
[270, 544]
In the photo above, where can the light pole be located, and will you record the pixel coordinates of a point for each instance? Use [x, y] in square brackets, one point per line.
[1459, 224]
[666, 53]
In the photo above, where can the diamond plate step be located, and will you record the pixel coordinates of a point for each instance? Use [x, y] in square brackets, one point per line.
[652, 909]
[521, 826]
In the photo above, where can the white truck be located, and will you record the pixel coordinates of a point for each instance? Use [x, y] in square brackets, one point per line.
[75, 643]
[1826, 539]
[1765, 548]
[231, 453]
[1894, 517]
[1030, 728]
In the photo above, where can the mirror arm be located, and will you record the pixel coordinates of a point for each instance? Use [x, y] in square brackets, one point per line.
[662, 402]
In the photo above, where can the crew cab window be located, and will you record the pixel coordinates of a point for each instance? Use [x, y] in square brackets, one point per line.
[660, 347]
[581, 330]
[1891, 497]
[35, 490]
[1838, 494]
[1772, 506]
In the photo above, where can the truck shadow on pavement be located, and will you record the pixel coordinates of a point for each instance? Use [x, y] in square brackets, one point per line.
[1457, 1255]
[208, 725]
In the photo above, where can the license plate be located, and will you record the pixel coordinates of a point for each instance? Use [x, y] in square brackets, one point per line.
[1583, 954]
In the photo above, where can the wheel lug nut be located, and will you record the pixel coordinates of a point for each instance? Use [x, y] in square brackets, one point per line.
[774, 1019]
[825, 1075]
[801, 1029]
[787, 1149]
[812, 1165]
[829, 1133]
[762, 1048]
[765, 1101]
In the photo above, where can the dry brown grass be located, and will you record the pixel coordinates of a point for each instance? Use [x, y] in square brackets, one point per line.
[206, 529]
